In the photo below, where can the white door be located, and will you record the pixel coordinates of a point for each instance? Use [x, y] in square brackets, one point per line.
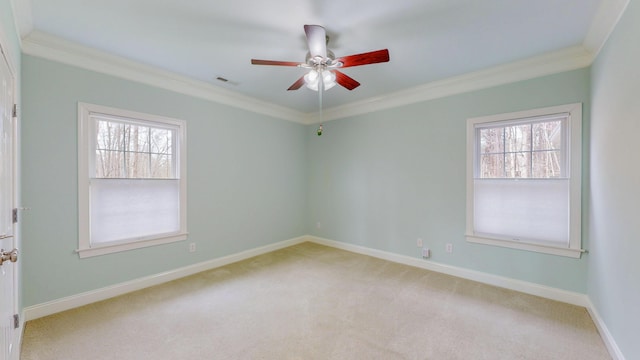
[8, 270]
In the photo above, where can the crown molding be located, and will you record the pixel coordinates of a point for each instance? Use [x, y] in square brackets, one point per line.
[572, 58]
[54, 48]
[605, 20]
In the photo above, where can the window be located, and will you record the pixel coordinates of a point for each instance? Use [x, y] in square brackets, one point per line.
[524, 180]
[132, 180]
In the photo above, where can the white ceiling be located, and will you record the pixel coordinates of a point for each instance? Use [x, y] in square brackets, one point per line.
[428, 40]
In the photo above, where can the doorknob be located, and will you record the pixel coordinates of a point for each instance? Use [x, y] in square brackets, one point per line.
[8, 256]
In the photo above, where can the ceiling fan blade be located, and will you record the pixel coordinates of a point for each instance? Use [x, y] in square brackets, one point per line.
[346, 81]
[274, 62]
[317, 40]
[372, 57]
[297, 85]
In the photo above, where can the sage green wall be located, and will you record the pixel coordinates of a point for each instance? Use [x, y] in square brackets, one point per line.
[384, 179]
[614, 269]
[379, 180]
[245, 184]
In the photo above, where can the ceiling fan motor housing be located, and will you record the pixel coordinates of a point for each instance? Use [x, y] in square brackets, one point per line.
[312, 61]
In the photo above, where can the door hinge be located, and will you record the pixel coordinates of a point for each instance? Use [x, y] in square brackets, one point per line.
[16, 321]
[15, 215]
[15, 111]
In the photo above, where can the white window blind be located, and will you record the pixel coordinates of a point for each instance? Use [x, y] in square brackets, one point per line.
[133, 209]
[532, 210]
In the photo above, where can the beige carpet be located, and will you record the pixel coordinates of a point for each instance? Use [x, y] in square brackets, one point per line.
[314, 302]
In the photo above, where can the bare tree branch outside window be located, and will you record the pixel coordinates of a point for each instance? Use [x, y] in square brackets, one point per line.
[132, 151]
[531, 150]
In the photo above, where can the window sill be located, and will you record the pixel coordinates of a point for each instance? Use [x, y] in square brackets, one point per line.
[129, 245]
[551, 250]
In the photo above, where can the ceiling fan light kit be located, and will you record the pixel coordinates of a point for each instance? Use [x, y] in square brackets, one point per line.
[322, 64]
[313, 79]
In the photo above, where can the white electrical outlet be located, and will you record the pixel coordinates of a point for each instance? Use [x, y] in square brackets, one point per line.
[419, 243]
[426, 253]
[449, 248]
[318, 225]
[192, 247]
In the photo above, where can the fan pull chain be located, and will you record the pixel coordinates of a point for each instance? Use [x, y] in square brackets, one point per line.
[320, 91]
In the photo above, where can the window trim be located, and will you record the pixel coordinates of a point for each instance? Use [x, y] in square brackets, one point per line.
[574, 174]
[85, 145]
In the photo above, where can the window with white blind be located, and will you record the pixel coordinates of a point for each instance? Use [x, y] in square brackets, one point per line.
[524, 180]
[132, 180]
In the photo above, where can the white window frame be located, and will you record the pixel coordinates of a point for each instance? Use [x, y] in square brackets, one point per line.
[86, 147]
[574, 174]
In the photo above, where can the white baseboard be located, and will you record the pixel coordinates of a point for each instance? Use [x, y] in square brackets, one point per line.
[495, 280]
[74, 301]
[606, 336]
[504, 282]
[70, 302]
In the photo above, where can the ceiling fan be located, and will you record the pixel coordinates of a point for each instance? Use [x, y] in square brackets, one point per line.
[323, 65]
